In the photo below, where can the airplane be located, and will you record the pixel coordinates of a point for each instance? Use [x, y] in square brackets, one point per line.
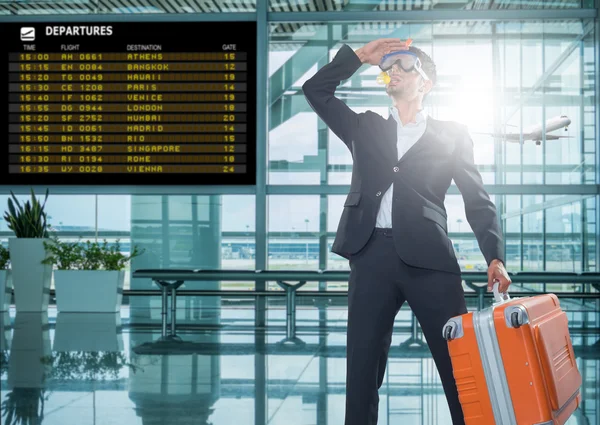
[535, 132]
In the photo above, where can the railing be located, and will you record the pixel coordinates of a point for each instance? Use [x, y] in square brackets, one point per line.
[172, 279]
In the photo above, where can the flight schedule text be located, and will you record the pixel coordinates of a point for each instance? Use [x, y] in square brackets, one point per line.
[130, 103]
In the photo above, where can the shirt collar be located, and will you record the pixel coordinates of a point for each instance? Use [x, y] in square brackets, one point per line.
[419, 118]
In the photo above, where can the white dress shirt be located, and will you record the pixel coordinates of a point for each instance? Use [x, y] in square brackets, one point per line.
[408, 135]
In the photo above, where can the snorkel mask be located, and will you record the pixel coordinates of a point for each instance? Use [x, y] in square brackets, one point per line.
[404, 59]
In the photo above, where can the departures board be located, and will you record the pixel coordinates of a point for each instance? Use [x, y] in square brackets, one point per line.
[129, 103]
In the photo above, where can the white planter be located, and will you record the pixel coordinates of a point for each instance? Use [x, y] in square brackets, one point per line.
[5, 287]
[30, 278]
[88, 332]
[30, 343]
[89, 291]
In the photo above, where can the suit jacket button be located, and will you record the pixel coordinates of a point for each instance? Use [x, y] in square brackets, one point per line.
[396, 169]
[378, 194]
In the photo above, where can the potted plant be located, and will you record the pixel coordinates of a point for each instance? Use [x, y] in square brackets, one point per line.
[87, 365]
[89, 277]
[27, 372]
[5, 284]
[30, 278]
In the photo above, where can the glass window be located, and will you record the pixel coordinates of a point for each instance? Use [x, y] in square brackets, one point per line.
[512, 232]
[514, 85]
[461, 234]
[563, 233]
[293, 232]
[195, 231]
[238, 250]
[114, 213]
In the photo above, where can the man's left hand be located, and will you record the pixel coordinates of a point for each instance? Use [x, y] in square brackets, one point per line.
[497, 272]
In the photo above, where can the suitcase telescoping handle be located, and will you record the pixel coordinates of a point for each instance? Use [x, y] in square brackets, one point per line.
[516, 317]
[499, 298]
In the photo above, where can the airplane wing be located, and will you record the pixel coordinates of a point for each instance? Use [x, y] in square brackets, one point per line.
[512, 137]
[507, 136]
[554, 137]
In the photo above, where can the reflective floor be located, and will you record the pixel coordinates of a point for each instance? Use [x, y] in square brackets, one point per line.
[80, 369]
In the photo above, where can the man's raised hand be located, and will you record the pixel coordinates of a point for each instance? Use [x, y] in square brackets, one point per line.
[373, 51]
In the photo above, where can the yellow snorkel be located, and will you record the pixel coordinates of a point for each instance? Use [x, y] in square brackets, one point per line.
[383, 78]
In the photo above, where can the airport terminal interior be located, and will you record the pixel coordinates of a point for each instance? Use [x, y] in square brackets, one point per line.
[244, 323]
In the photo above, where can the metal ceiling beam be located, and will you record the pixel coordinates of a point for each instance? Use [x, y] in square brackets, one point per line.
[126, 17]
[434, 15]
[352, 13]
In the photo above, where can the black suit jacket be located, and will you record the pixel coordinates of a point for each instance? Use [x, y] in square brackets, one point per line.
[421, 178]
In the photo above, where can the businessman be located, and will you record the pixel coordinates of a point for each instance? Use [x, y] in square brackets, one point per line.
[393, 229]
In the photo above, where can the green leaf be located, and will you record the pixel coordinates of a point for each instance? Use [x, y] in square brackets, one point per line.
[17, 202]
[27, 220]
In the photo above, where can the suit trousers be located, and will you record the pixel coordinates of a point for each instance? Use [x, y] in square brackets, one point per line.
[380, 282]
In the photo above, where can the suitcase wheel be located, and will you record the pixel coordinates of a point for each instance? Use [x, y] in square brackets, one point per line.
[453, 329]
[448, 333]
[514, 320]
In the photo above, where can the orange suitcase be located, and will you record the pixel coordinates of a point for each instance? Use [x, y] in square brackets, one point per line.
[514, 362]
